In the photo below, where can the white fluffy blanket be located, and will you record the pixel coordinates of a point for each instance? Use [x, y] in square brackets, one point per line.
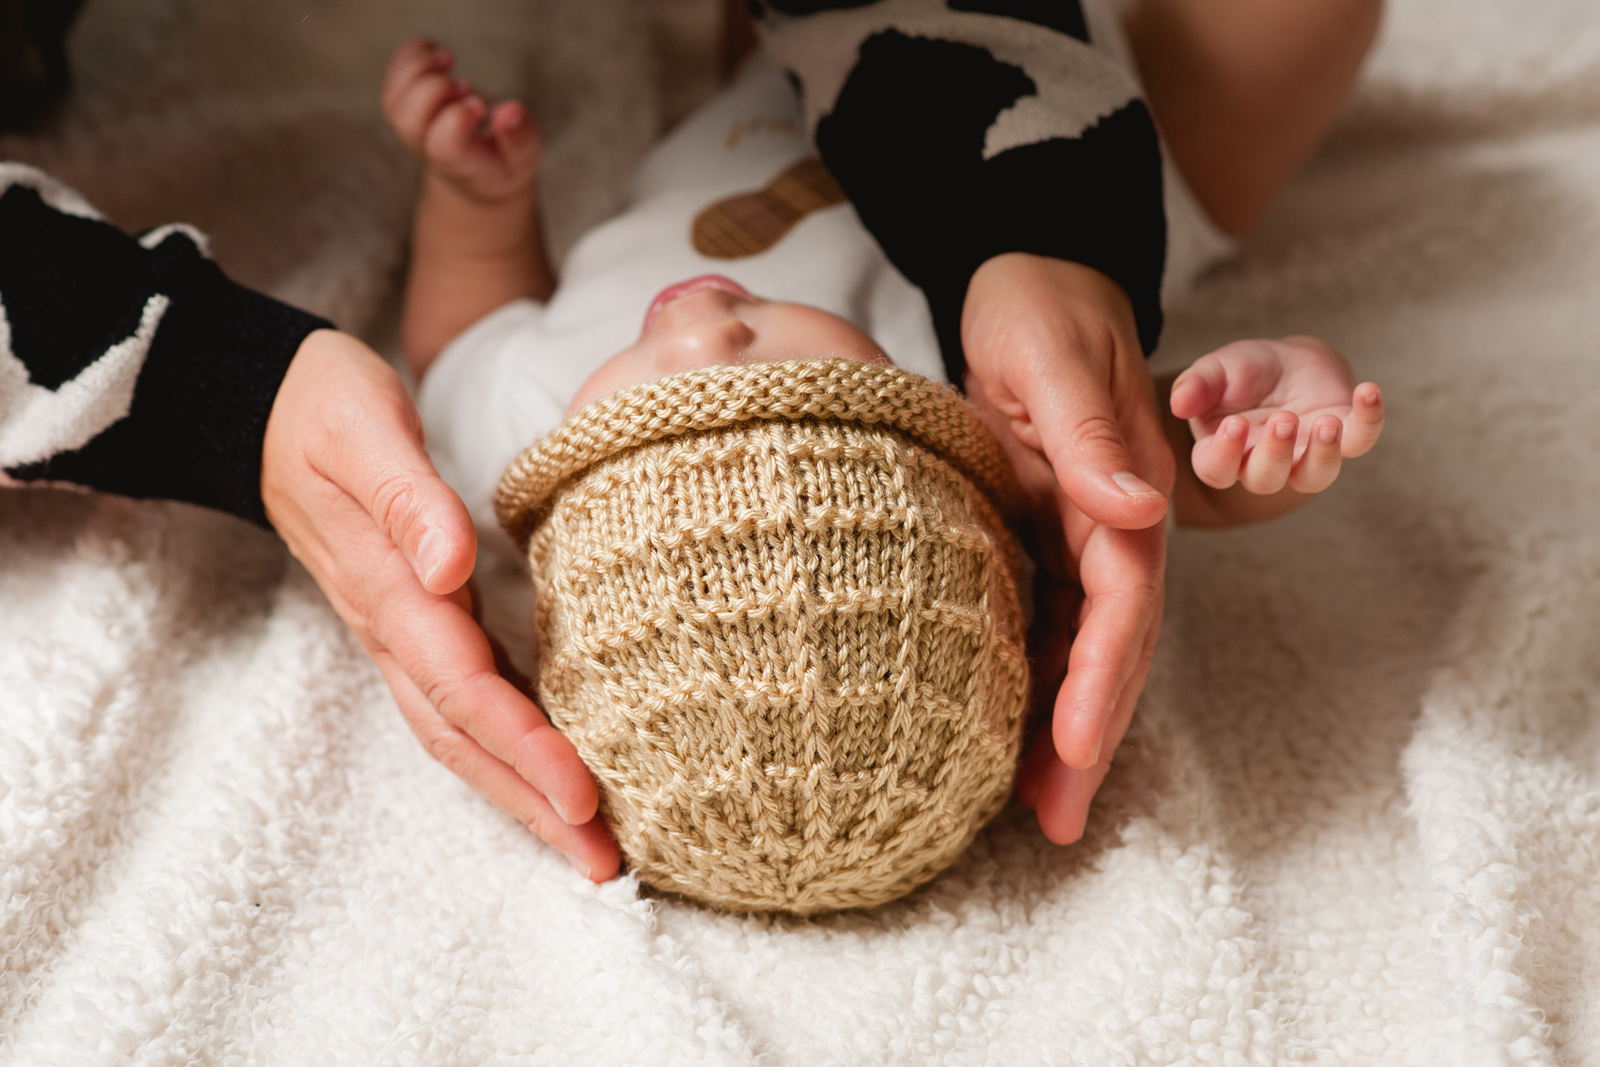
[1358, 817]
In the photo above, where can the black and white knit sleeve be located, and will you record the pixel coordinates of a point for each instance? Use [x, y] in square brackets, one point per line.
[131, 365]
[963, 129]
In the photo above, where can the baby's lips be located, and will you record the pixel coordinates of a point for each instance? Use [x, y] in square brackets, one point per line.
[693, 285]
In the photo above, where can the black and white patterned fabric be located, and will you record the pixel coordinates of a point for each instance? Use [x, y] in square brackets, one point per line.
[962, 129]
[132, 366]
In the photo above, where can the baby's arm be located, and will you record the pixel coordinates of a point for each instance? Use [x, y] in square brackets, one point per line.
[1266, 424]
[475, 242]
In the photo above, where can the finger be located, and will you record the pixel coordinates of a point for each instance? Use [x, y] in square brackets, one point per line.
[1122, 574]
[1318, 468]
[442, 653]
[448, 658]
[413, 56]
[1266, 469]
[588, 846]
[1065, 794]
[1365, 423]
[1056, 347]
[451, 133]
[512, 126]
[1056, 602]
[415, 101]
[1236, 377]
[1217, 457]
[516, 136]
[1036, 759]
[1085, 442]
[342, 460]
[410, 58]
[373, 451]
[1199, 388]
[1055, 606]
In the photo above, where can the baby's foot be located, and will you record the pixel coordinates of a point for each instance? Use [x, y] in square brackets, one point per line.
[487, 153]
[1270, 414]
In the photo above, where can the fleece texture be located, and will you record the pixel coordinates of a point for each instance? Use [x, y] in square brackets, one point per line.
[1357, 819]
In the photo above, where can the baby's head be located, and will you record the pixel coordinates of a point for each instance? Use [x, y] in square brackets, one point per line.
[777, 606]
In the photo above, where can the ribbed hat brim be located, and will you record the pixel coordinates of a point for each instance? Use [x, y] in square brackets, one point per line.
[928, 413]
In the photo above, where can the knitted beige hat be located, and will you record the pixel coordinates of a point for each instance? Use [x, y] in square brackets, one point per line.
[778, 615]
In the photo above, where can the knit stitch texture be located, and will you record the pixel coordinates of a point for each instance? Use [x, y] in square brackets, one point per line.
[784, 633]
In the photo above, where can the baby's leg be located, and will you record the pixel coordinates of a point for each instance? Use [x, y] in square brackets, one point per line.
[1244, 90]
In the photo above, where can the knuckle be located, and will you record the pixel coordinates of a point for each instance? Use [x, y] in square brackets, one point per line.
[1076, 336]
[528, 758]
[347, 414]
[1313, 481]
[356, 610]
[538, 823]
[1266, 486]
[392, 501]
[454, 699]
[449, 746]
[1149, 588]
[1093, 431]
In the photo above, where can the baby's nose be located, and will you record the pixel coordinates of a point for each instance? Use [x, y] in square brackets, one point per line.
[704, 344]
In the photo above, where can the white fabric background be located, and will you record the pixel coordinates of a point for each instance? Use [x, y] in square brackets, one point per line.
[1358, 817]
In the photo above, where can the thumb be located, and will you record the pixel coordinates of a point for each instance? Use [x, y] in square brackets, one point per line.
[1084, 431]
[1056, 347]
[374, 452]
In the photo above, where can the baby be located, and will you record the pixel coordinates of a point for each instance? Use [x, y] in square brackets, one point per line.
[693, 425]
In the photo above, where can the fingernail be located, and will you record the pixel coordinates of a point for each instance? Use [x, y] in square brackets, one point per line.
[1284, 430]
[431, 552]
[581, 867]
[1236, 429]
[1133, 485]
[1328, 434]
[561, 811]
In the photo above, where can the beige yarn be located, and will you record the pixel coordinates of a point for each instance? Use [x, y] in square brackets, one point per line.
[778, 615]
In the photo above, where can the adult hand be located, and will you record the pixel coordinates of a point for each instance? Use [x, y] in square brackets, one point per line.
[1054, 363]
[348, 486]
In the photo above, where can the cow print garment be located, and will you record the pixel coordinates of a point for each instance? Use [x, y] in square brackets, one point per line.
[960, 129]
[130, 365]
[964, 129]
